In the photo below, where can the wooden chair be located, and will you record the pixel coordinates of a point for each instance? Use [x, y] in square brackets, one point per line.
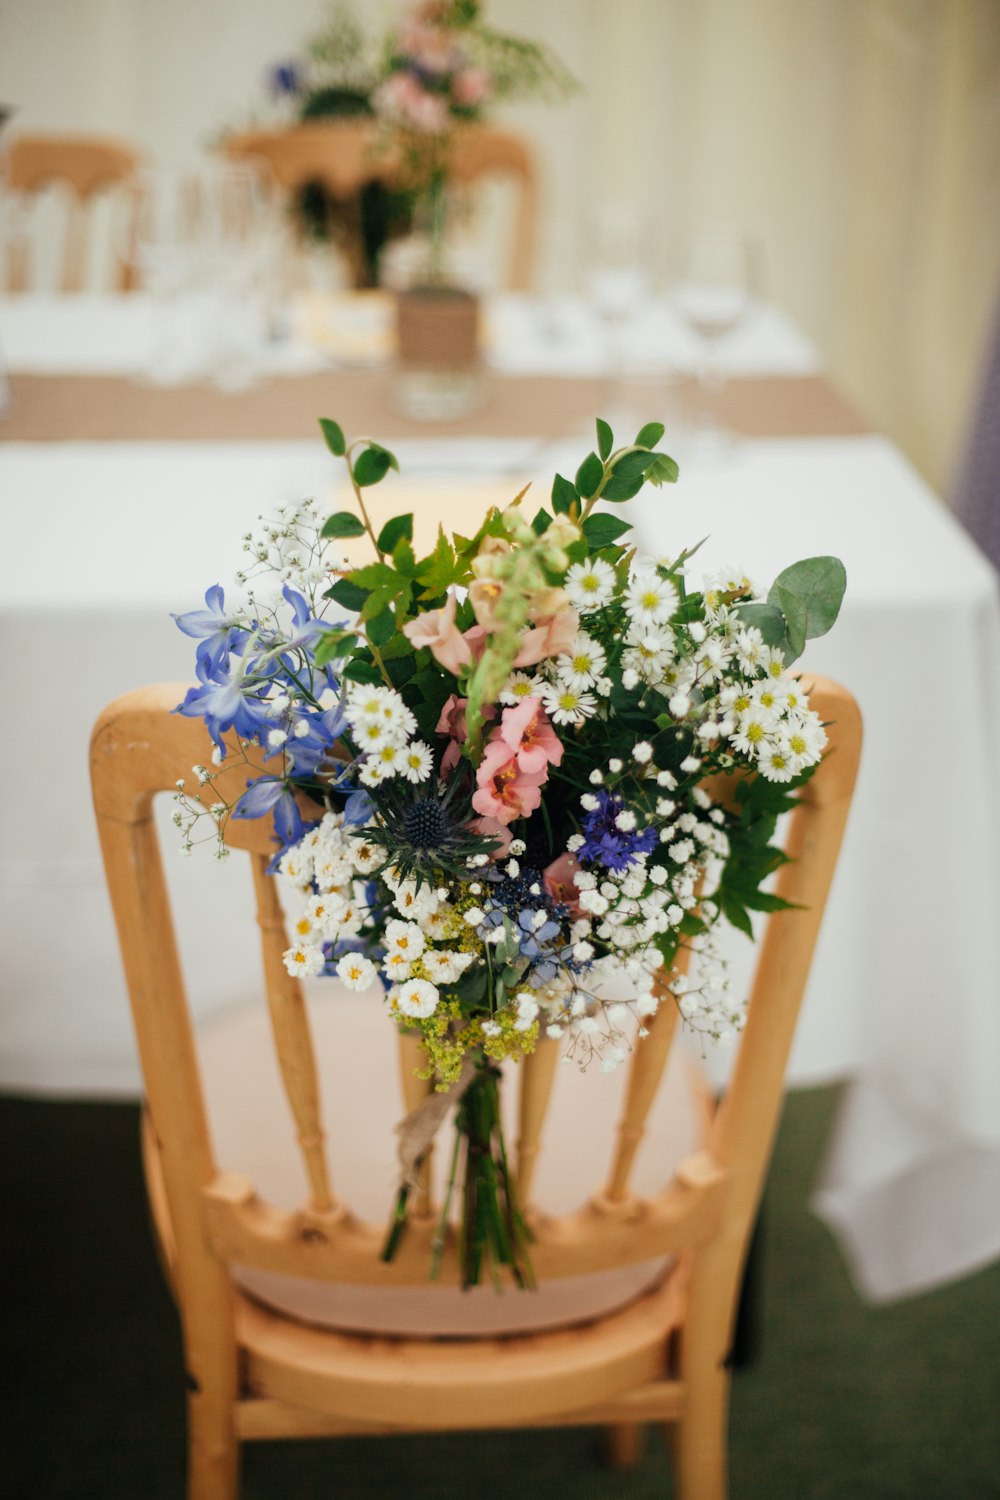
[86, 166]
[253, 1373]
[342, 155]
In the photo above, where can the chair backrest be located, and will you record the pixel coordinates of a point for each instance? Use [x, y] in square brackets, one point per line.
[344, 156]
[85, 166]
[138, 749]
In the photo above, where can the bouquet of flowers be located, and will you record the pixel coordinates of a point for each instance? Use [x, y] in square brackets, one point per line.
[489, 771]
[442, 66]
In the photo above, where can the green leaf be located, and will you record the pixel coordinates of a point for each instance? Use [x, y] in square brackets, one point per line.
[382, 627]
[334, 436]
[819, 582]
[649, 436]
[394, 531]
[361, 671]
[542, 522]
[767, 618]
[376, 575]
[605, 438]
[372, 464]
[342, 524]
[403, 558]
[347, 593]
[622, 487]
[796, 614]
[603, 530]
[664, 471]
[333, 646]
[564, 495]
[736, 914]
[589, 475]
[636, 462]
[396, 646]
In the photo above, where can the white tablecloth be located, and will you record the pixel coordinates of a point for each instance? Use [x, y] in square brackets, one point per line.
[102, 540]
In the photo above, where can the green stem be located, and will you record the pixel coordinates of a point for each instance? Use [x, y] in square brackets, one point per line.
[363, 443]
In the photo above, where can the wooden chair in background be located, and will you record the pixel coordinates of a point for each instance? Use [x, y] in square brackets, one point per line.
[256, 1373]
[342, 156]
[86, 166]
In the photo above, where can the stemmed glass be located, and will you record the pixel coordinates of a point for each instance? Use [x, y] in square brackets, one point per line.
[617, 272]
[716, 275]
[158, 232]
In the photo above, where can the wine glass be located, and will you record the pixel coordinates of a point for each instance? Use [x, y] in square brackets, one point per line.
[715, 278]
[617, 248]
[158, 232]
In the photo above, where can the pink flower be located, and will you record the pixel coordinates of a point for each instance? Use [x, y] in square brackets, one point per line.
[452, 722]
[470, 87]
[526, 730]
[483, 596]
[503, 790]
[436, 628]
[549, 638]
[559, 882]
[494, 830]
[404, 98]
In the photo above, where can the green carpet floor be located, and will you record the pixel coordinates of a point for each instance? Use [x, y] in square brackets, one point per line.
[845, 1402]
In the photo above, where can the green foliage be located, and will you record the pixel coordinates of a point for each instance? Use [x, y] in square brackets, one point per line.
[589, 476]
[605, 438]
[334, 437]
[650, 435]
[602, 530]
[343, 523]
[347, 593]
[564, 496]
[803, 603]
[372, 464]
[399, 528]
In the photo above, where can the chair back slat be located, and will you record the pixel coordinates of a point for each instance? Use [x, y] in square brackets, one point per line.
[412, 1061]
[645, 1072]
[292, 1037]
[84, 166]
[537, 1074]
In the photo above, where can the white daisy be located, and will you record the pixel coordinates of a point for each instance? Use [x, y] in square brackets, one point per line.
[518, 687]
[590, 585]
[567, 705]
[371, 734]
[776, 763]
[649, 599]
[396, 967]
[583, 663]
[390, 759]
[405, 938]
[365, 857]
[417, 761]
[356, 971]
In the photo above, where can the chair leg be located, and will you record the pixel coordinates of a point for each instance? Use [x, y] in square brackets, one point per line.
[700, 1439]
[625, 1442]
[213, 1449]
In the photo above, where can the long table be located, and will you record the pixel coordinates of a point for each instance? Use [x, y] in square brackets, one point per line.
[104, 536]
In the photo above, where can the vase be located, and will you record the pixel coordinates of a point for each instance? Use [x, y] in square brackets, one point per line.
[437, 331]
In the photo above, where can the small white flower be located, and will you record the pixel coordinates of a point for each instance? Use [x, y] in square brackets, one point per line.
[304, 960]
[643, 752]
[614, 766]
[582, 664]
[418, 998]
[630, 678]
[518, 687]
[473, 916]
[590, 585]
[690, 764]
[567, 705]
[416, 761]
[649, 599]
[405, 938]
[356, 971]
[625, 820]
[596, 777]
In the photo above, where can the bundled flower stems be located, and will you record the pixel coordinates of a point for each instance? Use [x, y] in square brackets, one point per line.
[507, 747]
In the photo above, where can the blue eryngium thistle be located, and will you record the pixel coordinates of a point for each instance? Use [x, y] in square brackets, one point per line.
[423, 832]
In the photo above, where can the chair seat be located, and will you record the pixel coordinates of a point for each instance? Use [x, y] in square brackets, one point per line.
[356, 1048]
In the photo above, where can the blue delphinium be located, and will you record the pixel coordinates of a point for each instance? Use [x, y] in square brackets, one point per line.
[606, 842]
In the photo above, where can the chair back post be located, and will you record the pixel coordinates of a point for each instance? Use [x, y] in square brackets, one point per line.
[745, 1123]
[124, 782]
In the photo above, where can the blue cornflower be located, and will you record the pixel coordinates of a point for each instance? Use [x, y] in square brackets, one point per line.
[216, 632]
[608, 845]
[285, 78]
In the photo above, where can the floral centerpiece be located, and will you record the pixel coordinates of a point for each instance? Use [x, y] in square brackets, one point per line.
[489, 770]
[441, 67]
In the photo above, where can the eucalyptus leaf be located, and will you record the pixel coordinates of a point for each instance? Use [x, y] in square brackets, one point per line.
[820, 583]
[767, 618]
[796, 614]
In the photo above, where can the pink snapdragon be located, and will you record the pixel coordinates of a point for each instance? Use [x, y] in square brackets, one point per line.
[526, 731]
[551, 637]
[404, 98]
[503, 790]
[436, 629]
[560, 882]
[452, 723]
